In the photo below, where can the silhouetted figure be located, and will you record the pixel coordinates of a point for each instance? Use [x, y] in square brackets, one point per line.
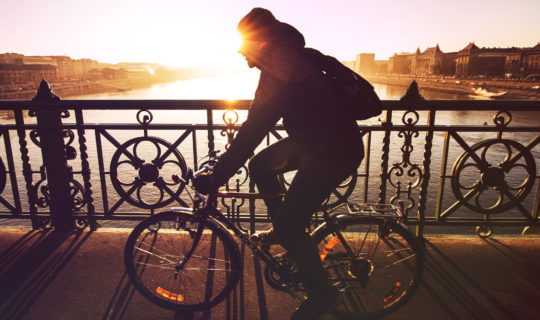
[324, 144]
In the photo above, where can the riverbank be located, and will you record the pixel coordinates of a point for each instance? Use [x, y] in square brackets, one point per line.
[489, 89]
[475, 88]
[67, 89]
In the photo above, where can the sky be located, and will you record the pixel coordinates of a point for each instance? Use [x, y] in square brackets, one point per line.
[192, 33]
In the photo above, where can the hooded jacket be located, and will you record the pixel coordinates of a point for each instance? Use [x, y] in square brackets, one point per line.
[292, 89]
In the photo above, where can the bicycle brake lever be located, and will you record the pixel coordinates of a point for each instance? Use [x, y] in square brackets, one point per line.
[177, 179]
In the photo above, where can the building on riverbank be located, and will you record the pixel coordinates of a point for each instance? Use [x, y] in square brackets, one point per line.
[488, 62]
[18, 69]
[473, 61]
[365, 63]
[519, 64]
[433, 62]
[400, 63]
[13, 74]
[469, 62]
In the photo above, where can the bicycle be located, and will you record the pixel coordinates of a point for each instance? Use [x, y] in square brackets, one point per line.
[186, 259]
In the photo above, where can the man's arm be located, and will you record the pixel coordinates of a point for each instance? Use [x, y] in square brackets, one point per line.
[265, 111]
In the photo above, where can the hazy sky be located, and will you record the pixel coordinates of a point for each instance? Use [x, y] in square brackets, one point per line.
[199, 32]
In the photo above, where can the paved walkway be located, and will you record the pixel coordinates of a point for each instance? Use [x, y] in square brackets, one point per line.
[81, 276]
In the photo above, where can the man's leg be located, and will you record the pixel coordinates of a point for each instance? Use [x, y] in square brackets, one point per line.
[264, 168]
[314, 181]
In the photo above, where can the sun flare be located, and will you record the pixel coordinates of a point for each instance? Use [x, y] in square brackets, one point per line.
[202, 46]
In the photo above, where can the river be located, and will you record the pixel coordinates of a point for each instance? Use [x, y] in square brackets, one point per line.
[243, 87]
[240, 86]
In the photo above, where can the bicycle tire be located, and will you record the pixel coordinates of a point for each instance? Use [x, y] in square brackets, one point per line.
[386, 270]
[157, 244]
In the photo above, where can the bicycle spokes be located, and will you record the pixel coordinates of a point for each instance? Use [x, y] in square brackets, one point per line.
[374, 263]
[210, 261]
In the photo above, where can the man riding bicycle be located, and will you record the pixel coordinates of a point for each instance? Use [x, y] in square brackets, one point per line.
[324, 144]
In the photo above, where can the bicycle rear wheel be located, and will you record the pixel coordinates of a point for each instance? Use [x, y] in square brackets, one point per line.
[384, 270]
[158, 243]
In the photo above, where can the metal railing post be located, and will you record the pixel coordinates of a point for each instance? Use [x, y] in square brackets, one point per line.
[210, 123]
[59, 174]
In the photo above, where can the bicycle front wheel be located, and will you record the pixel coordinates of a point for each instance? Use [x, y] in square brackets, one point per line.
[377, 267]
[159, 243]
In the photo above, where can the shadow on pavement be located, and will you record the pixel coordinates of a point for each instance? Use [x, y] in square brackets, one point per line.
[457, 283]
[29, 265]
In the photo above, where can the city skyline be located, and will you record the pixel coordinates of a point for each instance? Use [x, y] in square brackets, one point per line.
[189, 34]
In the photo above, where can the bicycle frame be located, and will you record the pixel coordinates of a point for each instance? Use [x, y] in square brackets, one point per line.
[206, 209]
[350, 267]
[210, 211]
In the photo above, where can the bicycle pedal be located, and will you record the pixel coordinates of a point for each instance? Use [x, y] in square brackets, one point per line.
[341, 286]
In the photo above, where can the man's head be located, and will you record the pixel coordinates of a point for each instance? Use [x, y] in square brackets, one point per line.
[260, 30]
[257, 24]
[253, 52]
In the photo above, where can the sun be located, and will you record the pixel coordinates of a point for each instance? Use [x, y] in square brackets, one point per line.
[201, 46]
[226, 46]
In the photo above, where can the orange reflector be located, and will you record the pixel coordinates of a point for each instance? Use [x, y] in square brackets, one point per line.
[169, 295]
[328, 247]
[393, 292]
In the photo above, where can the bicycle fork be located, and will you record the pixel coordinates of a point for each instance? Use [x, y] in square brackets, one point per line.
[197, 237]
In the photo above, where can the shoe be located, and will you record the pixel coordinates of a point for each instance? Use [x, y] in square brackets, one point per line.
[265, 238]
[314, 307]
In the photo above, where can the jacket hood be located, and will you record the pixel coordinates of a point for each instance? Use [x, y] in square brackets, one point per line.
[261, 25]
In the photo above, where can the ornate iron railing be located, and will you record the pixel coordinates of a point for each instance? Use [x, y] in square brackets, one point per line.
[446, 163]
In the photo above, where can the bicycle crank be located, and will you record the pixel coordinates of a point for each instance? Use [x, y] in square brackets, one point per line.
[282, 275]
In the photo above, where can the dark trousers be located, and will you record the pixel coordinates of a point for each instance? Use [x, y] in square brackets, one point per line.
[312, 184]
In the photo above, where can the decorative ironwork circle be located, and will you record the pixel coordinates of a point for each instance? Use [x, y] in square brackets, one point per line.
[142, 170]
[502, 119]
[149, 172]
[81, 223]
[484, 175]
[144, 117]
[230, 117]
[484, 231]
[410, 117]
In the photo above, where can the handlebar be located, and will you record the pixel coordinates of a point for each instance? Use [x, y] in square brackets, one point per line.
[204, 169]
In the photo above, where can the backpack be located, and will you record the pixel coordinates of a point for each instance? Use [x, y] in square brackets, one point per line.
[356, 95]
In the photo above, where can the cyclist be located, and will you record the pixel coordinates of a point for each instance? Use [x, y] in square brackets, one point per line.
[324, 144]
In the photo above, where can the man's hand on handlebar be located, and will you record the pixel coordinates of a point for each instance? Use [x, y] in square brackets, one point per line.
[205, 182]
